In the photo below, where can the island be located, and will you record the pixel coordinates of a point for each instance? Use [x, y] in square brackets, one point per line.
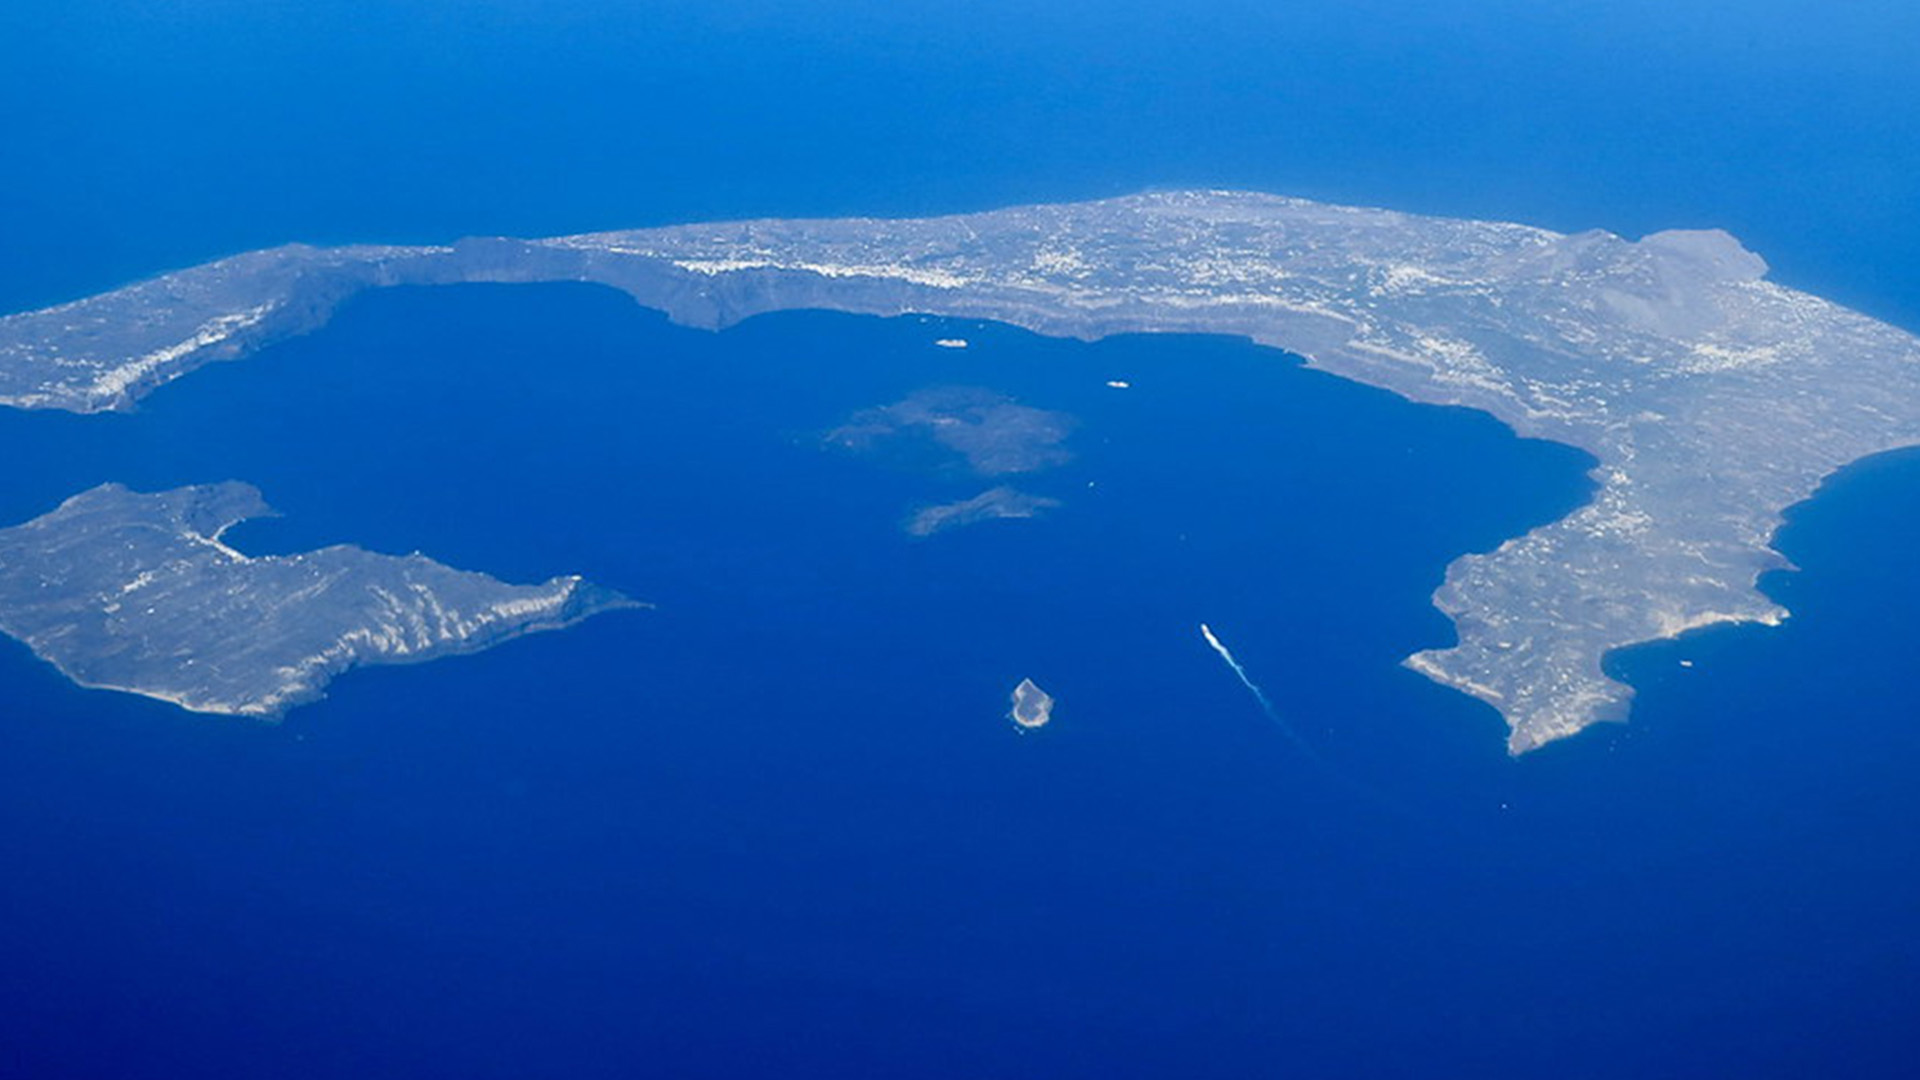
[993, 504]
[138, 592]
[986, 431]
[1032, 706]
[1710, 398]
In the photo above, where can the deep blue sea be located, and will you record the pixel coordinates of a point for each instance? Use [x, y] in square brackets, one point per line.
[779, 825]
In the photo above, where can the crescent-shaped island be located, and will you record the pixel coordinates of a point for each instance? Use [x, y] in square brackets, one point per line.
[1710, 398]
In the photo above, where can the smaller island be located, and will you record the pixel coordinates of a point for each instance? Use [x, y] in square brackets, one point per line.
[137, 592]
[1032, 706]
[991, 505]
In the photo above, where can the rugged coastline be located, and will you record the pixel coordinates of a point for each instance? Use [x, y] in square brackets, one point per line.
[1711, 398]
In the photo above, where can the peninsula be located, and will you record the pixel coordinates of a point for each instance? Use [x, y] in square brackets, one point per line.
[1710, 398]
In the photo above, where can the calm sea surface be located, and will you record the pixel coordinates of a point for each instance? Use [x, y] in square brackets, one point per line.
[780, 823]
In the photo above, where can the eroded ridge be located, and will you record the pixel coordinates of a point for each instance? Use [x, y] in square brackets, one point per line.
[135, 592]
[1711, 398]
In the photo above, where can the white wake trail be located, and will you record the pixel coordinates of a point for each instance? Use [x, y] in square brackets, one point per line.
[1227, 655]
[1286, 729]
[1259, 695]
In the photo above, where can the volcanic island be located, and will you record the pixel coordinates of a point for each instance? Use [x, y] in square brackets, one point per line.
[1710, 398]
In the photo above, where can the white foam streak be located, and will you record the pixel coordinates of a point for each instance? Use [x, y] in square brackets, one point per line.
[1259, 695]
